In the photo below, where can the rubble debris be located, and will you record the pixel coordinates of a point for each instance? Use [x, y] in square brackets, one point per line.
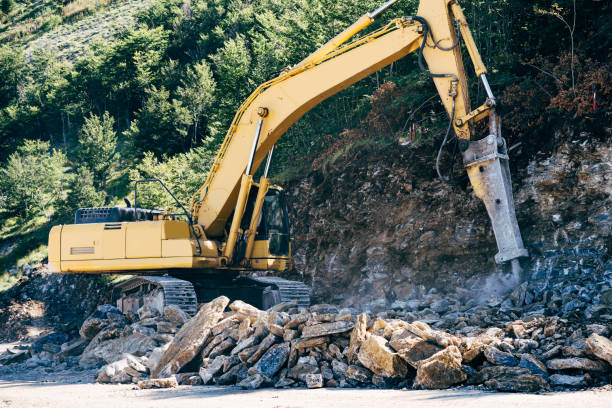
[14, 356]
[293, 346]
[314, 381]
[190, 338]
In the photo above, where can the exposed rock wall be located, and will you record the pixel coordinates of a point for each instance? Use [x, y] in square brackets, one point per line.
[378, 226]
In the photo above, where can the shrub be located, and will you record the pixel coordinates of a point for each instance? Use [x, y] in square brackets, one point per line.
[32, 180]
[81, 193]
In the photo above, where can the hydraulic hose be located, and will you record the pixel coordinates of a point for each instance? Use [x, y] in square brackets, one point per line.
[427, 32]
[451, 181]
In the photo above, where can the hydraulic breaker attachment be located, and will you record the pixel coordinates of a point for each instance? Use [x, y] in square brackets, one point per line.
[486, 162]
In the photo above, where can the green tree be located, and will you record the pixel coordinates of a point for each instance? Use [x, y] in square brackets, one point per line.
[97, 148]
[197, 93]
[7, 6]
[232, 66]
[183, 174]
[81, 193]
[13, 72]
[32, 180]
[161, 125]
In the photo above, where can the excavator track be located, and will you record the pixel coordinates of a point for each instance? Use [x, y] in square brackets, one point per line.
[160, 291]
[156, 291]
[288, 290]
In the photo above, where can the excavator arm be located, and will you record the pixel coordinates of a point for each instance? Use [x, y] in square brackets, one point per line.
[229, 232]
[435, 33]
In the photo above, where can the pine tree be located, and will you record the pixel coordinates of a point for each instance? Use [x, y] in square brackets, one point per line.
[32, 180]
[97, 148]
[81, 193]
[7, 6]
[197, 93]
[161, 125]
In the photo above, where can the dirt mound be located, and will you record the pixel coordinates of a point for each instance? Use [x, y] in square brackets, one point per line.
[42, 302]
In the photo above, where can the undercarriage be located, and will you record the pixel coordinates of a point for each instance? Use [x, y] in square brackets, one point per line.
[188, 290]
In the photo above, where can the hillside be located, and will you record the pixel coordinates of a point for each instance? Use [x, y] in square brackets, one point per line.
[71, 39]
[66, 29]
[153, 98]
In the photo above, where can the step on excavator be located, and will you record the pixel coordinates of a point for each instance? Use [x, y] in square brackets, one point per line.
[237, 228]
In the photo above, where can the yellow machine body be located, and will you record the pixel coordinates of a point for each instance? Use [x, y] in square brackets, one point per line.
[141, 246]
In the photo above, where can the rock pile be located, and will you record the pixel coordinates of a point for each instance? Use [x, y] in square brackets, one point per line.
[325, 346]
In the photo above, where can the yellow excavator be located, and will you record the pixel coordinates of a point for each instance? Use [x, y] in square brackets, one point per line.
[236, 226]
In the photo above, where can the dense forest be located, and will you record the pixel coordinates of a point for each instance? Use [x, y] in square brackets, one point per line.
[156, 98]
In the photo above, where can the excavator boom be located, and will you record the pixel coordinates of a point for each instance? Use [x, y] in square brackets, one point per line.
[277, 104]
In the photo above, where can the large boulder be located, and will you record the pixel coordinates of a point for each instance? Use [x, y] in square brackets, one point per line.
[108, 351]
[509, 379]
[488, 373]
[498, 357]
[375, 355]
[534, 365]
[473, 347]
[576, 363]
[358, 336]
[104, 316]
[520, 383]
[273, 360]
[251, 382]
[441, 370]
[600, 347]
[127, 370]
[568, 380]
[92, 326]
[358, 373]
[416, 349]
[189, 340]
[323, 329]
[176, 315]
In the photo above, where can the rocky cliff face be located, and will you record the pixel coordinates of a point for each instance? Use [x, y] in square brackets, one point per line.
[379, 227]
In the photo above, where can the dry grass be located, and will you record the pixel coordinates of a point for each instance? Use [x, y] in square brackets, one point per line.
[72, 39]
[80, 7]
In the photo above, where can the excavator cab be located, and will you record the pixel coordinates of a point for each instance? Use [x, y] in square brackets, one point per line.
[273, 237]
[273, 224]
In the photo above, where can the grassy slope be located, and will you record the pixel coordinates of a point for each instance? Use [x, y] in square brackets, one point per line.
[69, 41]
[66, 31]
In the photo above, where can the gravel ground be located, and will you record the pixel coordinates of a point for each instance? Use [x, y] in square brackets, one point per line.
[76, 389]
